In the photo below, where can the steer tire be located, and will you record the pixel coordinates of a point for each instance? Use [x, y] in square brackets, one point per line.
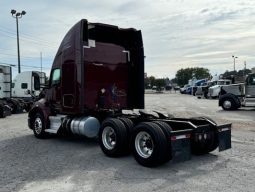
[113, 138]
[149, 144]
[38, 126]
[232, 106]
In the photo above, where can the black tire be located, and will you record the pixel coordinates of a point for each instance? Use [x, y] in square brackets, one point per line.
[128, 124]
[130, 129]
[27, 107]
[14, 107]
[113, 138]
[229, 104]
[167, 131]
[2, 113]
[156, 144]
[38, 126]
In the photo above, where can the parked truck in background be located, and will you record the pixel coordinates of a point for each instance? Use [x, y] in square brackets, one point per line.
[19, 94]
[26, 86]
[196, 85]
[214, 91]
[5, 90]
[238, 95]
[97, 82]
[203, 89]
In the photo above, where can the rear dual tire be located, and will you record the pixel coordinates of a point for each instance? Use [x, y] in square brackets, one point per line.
[150, 145]
[148, 140]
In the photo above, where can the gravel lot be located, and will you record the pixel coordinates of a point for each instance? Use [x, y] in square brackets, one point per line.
[76, 164]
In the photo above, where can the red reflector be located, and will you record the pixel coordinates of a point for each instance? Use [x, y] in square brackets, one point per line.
[186, 136]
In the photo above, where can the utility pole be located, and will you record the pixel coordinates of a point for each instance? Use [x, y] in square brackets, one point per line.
[41, 60]
[244, 68]
[17, 16]
[234, 57]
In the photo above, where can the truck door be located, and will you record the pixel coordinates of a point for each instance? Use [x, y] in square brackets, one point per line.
[250, 86]
[35, 87]
[54, 92]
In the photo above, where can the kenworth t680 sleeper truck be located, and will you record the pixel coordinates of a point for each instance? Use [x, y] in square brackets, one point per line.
[96, 82]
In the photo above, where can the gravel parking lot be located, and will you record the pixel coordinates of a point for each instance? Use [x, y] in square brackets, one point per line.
[77, 164]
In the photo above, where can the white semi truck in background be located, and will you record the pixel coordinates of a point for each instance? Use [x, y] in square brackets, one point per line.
[19, 94]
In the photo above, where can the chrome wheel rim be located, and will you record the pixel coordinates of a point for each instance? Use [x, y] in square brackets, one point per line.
[144, 144]
[38, 125]
[227, 104]
[109, 138]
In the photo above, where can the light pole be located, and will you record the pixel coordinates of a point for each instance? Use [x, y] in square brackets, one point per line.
[17, 15]
[234, 57]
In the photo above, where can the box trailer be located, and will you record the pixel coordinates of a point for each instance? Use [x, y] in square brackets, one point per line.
[97, 82]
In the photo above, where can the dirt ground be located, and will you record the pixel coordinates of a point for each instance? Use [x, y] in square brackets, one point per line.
[77, 164]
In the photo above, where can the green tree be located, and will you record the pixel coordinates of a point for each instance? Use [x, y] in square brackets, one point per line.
[183, 75]
[160, 83]
[149, 82]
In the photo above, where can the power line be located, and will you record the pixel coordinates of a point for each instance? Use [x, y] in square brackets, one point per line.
[26, 39]
[28, 36]
[21, 56]
[29, 66]
[35, 67]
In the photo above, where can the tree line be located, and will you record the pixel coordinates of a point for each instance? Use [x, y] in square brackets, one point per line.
[184, 75]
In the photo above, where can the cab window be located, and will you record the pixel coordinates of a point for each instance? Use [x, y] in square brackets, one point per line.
[23, 85]
[55, 77]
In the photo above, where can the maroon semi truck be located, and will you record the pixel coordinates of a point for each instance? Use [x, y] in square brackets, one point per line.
[97, 82]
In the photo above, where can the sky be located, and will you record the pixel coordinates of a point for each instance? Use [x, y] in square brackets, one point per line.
[176, 33]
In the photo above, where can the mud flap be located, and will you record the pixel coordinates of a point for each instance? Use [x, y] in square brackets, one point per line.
[224, 136]
[180, 145]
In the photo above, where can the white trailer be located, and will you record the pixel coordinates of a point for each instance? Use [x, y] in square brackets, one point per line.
[5, 90]
[5, 81]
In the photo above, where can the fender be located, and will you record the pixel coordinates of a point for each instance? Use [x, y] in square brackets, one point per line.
[42, 107]
[229, 95]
